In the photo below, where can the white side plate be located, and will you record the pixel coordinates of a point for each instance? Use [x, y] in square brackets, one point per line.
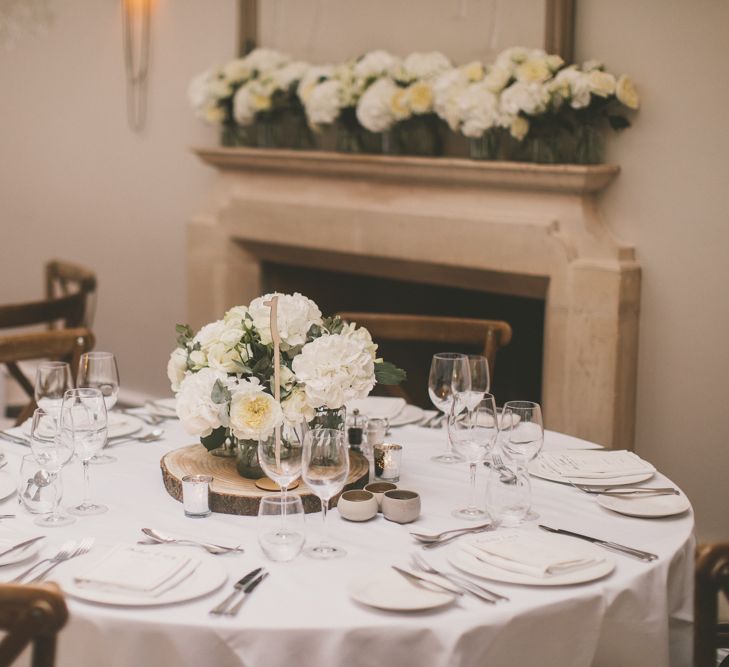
[386, 589]
[651, 507]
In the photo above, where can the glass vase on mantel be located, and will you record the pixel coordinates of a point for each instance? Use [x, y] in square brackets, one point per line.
[419, 135]
[488, 146]
[232, 135]
[351, 137]
[588, 144]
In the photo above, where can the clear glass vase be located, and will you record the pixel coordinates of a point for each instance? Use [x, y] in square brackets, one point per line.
[486, 147]
[333, 418]
[247, 462]
[419, 135]
[232, 135]
[588, 144]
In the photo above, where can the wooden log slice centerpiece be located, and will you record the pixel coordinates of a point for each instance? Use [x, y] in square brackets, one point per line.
[232, 494]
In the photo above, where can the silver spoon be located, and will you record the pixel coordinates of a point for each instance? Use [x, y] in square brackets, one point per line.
[425, 537]
[161, 538]
[154, 434]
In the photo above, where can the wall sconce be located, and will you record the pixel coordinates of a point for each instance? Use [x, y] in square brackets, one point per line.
[136, 16]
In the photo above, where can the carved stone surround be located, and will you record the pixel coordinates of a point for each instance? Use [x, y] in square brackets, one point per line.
[511, 228]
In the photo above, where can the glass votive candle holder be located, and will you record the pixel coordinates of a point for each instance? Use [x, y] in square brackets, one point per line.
[196, 495]
[388, 458]
[376, 431]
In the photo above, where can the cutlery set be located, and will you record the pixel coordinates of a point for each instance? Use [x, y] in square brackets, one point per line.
[67, 551]
[156, 537]
[241, 590]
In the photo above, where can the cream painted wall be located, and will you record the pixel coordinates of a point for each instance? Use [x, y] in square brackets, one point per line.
[671, 201]
[76, 183]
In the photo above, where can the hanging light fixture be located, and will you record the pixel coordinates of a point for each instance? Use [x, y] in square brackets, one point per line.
[136, 15]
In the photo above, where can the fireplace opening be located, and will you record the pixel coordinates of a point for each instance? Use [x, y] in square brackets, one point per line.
[518, 369]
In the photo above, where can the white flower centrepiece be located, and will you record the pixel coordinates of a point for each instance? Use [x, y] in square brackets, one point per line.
[195, 407]
[296, 315]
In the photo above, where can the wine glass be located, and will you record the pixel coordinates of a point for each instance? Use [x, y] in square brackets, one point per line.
[448, 382]
[277, 545]
[285, 468]
[480, 381]
[98, 370]
[52, 451]
[52, 381]
[83, 422]
[523, 440]
[473, 434]
[324, 468]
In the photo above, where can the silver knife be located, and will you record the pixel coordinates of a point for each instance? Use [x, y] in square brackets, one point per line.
[17, 439]
[220, 609]
[22, 545]
[613, 546]
[246, 592]
[411, 575]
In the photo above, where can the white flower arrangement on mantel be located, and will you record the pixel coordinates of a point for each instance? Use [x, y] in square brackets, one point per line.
[527, 105]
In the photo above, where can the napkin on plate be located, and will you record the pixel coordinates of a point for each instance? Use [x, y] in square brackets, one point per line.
[131, 569]
[529, 554]
[595, 464]
[378, 407]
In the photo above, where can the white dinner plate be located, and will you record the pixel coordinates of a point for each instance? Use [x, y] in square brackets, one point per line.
[536, 469]
[410, 414]
[7, 485]
[652, 507]
[118, 425]
[471, 565]
[10, 538]
[386, 589]
[208, 577]
[378, 407]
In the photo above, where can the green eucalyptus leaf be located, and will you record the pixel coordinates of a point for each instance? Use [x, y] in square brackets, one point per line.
[388, 373]
[214, 440]
[220, 393]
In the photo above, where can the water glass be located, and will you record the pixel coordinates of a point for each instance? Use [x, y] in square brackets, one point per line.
[324, 468]
[508, 496]
[38, 490]
[449, 381]
[281, 527]
[52, 381]
[284, 466]
[99, 370]
[480, 381]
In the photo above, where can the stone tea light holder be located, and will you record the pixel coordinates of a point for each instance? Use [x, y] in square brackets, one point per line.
[357, 505]
[377, 489]
[401, 506]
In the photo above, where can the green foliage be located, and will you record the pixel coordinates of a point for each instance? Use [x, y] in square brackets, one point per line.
[184, 334]
[220, 394]
[388, 373]
[214, 440]
[618, 122]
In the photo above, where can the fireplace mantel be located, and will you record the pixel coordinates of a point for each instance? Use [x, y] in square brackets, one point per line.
[504, 227]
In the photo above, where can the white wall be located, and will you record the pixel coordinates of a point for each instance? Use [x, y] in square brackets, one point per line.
[76, 183]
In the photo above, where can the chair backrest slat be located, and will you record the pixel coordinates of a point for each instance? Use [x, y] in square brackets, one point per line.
[67, 309]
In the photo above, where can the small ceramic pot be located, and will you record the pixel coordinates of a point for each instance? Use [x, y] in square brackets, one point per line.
[377, 489]
[401, 506]
[357, 505]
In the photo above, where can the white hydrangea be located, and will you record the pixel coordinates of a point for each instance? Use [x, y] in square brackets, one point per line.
[374, 110]
[264, 60]
[253, 413]
[335, 369]
[295, 315]
[312, 78]
[324, 103]
[374, 64]
[195, 408]
[529, 98]
[447, 91]
[479, 110]
[426, 66]
[205, 93]
[572, 85]
[285, 77]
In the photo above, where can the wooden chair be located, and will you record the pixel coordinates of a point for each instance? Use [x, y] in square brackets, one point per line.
[65, 279]
[712, 580]
[486, 336]
[31, 614]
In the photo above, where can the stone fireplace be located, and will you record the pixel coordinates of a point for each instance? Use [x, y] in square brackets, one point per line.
[528, 231]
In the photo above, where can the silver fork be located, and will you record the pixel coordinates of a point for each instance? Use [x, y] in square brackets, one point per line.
[66, 549]
[471, 586]
[82, 549]
[506, 475]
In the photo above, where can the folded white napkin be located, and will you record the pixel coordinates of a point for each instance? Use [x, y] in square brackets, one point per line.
[595, 464]
[529, 554]
[135, 570]
[378, 407]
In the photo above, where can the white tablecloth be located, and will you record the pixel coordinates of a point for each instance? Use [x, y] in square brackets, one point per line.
[301, 615]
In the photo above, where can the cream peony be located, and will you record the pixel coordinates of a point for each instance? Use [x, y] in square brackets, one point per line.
[177, 367]
[195, 408]
[374, 110]
[601, 83]
[296, 315]
[253, 412]
[335, 369]
[626, 92]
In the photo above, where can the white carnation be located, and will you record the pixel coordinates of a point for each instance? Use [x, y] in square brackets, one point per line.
[177, 367]
[295, 315]
[195, 408]
[374, 110]
[335, 369]
[253, 413]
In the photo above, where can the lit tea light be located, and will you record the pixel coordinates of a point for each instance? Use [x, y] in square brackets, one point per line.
[387, 462]
[196, 495]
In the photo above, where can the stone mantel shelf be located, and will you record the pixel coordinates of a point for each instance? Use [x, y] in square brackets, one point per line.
[563, 178]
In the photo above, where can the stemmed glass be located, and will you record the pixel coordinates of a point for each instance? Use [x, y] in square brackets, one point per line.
[522, 421]
[52, 381]
[473, 434]
[480, 381]
[99, 370]
[52, 451]
[325, 466]
[448, 382]
[83, 422]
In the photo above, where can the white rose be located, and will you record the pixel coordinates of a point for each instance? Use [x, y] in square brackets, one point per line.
[209, 334]
[198, 360]
[195, 408]
[362, 335]
[496, 79]
[295, 315]
[626, 92]
[374, 64]
[177, 367]
[323, 103]
[374, 110]
[335, 369]
[601, 83]
[533, 69]
[296, 409]
[236, 315]
[253, 413]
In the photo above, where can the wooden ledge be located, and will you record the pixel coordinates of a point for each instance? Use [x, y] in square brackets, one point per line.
[562, 178]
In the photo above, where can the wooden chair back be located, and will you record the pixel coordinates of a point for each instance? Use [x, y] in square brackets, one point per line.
[488, 336]
[57, 344]
[712, 580]
[31, 615]
[65, 279]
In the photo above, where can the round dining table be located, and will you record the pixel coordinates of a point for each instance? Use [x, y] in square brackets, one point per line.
[302, 614]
